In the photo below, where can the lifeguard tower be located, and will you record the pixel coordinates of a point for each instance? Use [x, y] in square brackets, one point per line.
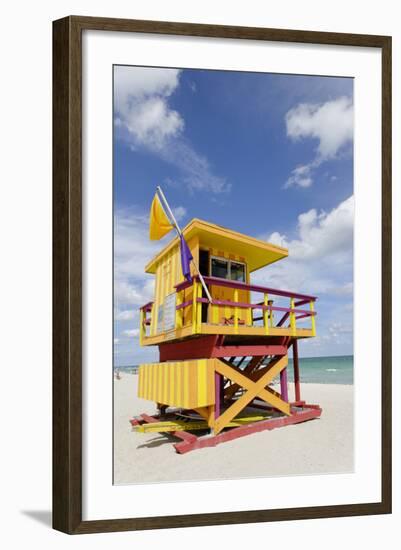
[219, 360]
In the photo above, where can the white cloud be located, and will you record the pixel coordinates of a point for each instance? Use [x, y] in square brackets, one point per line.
[330, 123]
[197, 174]
[320, 255]
[278, 239]
[151, 122]
[140, 82]
[132, 333]
[179, 212]
[300, 176]
[141, 103]
[132, 250]
[320, 263]
[346, 289]
[337, 328]
[145, 118]
[125, 315]
[325, 233]
[135, 294]
[132, 247]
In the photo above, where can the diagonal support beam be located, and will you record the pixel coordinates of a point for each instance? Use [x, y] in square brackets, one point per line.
[251, 366]
[255, 389]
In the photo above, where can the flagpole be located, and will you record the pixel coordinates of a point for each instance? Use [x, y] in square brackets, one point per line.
[169, 211]
[172, 218]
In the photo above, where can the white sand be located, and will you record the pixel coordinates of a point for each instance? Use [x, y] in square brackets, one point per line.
[323, 445]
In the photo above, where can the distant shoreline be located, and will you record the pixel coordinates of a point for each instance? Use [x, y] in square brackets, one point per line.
[290, 358]
[328, 383]
[336, 369]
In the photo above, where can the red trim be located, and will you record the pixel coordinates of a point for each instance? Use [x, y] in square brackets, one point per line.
[184, 304]
[206, 347]
[308, 314]
[298, 403]
[241, 431]
[195, 348]
[248, 351]
[253, 306]
[283, 319]
[190, 442]
[244, 286]
[301, 302]
[297, 382]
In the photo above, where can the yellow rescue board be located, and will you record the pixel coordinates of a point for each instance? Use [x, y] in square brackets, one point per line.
[179, 425]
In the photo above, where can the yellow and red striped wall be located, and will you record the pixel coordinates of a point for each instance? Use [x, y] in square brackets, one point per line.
[188, 384]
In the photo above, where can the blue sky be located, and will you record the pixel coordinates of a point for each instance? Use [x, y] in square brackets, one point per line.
[268, 155]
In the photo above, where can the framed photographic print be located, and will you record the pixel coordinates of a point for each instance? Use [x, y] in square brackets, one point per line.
[222, 274]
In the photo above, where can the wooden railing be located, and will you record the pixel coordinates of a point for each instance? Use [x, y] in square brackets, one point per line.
[290, 314]
[144, 320]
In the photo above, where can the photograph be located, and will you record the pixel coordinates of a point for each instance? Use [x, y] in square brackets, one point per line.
[233, 267]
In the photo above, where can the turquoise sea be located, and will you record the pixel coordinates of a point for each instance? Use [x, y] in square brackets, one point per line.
[317, 370]
[325, 370]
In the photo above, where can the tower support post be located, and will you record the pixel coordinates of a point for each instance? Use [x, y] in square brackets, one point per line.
[218, 388]
[284, 385]
[296, 371]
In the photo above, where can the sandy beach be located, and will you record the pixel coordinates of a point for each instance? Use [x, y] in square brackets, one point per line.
[324, 445]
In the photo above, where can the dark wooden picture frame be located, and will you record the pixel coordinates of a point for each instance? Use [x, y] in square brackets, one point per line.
[67, 274]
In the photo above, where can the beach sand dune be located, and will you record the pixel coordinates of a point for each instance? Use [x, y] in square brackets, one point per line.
[324, 445]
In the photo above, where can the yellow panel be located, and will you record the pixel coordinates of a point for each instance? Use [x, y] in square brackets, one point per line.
[156, 302]
[202, 382]
[188, 384]
[186, 387]
[214, 329]
[220, 314]
[162, 282]
[173, 280]
[170, 394]
[159, 384]
[165, 386]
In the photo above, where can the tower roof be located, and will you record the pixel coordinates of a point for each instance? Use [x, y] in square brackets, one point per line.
[258, 253]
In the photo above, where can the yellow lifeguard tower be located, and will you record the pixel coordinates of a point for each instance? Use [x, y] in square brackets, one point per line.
[219, 358]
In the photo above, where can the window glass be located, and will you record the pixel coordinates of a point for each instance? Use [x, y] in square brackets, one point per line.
[219, 268]
[237, 272]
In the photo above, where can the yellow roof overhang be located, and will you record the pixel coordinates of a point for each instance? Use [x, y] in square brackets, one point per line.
[257, 253]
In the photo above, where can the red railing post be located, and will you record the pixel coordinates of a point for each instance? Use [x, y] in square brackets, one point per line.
[296, 370]
[293, 312]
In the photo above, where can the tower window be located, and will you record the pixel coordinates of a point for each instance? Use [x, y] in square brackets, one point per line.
[237, 272]
[228, 269]
[219, 268]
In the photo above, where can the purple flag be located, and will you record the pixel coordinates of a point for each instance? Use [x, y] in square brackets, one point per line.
[186, 258]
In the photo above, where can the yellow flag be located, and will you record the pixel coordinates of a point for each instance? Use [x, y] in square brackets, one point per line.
[159, 223]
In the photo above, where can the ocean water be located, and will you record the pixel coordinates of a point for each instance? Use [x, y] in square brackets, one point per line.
[315, 370]
[324, 370]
